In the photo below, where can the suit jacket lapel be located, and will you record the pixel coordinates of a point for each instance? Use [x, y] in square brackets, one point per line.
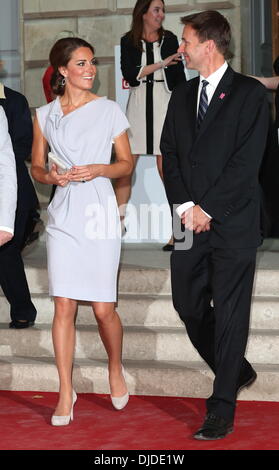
[220, 96]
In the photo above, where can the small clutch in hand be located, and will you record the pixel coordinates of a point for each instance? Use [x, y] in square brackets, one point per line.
[61, 166]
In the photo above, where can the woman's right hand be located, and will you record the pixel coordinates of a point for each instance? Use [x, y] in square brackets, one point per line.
[57, 179]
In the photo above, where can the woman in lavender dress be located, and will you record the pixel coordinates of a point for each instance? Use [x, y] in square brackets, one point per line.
[83, 231]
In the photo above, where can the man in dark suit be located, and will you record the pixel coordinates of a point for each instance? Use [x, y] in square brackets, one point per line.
[212, 144]
[12, 275]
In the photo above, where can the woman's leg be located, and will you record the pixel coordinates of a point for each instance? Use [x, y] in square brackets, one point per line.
[122, 188]
[111, 332]
[63, 335]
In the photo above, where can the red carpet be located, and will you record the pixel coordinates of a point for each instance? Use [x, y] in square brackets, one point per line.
[148, 423]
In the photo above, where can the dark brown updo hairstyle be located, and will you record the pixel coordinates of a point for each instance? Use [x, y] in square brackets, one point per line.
[60, 55]
[135, 34]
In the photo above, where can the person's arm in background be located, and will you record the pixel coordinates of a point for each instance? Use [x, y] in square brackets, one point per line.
[271, 83]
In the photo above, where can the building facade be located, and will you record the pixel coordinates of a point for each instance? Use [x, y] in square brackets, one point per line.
[28, 29]
[102, 23]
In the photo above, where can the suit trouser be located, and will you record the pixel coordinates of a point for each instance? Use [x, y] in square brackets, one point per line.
[12, 275]
[226, 276]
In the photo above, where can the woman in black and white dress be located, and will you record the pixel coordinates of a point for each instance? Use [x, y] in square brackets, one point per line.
[152, 67]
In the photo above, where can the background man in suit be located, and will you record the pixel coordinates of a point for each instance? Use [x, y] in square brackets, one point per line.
[212, 144]
[12, 275]
[8, 183]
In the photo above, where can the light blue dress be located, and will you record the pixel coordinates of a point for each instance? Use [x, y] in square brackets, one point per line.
[83, 230]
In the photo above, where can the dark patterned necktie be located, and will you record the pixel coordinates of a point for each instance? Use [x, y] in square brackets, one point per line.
[203, 105]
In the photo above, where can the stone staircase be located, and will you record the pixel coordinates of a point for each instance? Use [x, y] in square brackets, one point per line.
[158, 357]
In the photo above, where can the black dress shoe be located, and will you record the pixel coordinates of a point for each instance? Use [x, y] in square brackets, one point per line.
[168, 247]
[19, 325]
[214, 427]
[246, 381]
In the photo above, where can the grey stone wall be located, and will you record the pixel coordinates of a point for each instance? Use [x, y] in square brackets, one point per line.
[101, 22]
[9, 44]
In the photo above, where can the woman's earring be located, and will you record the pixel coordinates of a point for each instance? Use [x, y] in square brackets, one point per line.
[63, 83]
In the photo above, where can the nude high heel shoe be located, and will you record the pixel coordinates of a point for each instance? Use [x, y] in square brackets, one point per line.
[64, 420]
[120, 402]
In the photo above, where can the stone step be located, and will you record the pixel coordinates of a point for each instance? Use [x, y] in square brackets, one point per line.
[131, 280]
[146, 310]
[134, 310]
[157, 378]
[140, 343]
[138, 280]
[145, 270]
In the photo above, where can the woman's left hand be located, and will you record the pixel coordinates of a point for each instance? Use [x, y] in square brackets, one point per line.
[85, 173]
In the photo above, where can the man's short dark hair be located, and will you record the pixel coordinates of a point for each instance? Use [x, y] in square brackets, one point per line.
[211, 25]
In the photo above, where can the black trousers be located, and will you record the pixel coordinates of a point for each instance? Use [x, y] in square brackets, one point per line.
[219, 333]
[12, 275]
